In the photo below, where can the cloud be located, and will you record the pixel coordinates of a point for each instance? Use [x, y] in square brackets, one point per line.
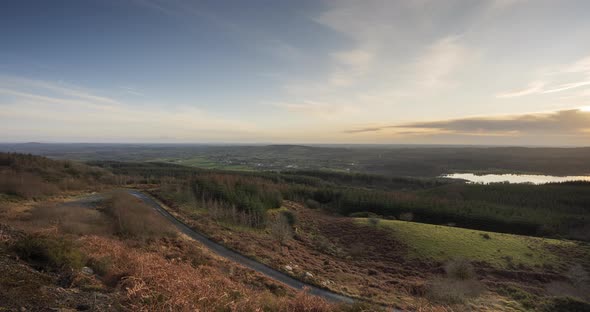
[381, 36]
[350, 65]
[391, 50]
[63, 89]
[61, 111]
[579, 69]
[582, 94]
[439, 61]
[321, 110]
[568, 86]
[580, 66]
[132, 91]
[532, 88]
[573, 122]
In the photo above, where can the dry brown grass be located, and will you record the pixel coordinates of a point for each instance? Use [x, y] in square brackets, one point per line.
[25, 185]
[152, 283]
[453, 291]
[35, 177]
[132, 218]
[460, 269]
[69, 219]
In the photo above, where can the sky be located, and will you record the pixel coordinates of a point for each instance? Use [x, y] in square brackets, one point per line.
[501, 72]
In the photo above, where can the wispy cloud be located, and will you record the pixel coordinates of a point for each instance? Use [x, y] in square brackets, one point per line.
[532, 88]
[350, 66]
[574, 122]
[580, 69]
[568, 86]
[580, 66]
[326, 111]
[441, 59]
[63, 111]
[380, 63]
[133, 91]
[64, 89]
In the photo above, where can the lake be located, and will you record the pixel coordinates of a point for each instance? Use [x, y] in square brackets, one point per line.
[513, 178]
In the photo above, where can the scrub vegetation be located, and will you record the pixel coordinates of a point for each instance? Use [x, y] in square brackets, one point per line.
[411, 242]
[551, 210]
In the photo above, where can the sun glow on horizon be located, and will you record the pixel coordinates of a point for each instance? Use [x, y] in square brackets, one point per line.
[585, 108]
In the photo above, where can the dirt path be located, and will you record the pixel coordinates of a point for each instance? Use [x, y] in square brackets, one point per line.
[231, 254]
[239, 258]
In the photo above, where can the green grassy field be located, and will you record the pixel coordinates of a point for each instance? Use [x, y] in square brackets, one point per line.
[500, 250]
[204, 163]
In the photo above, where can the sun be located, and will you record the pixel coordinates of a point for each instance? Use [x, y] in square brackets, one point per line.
[585, 108]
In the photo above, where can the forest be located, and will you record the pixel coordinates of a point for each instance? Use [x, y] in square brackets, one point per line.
[551, 210]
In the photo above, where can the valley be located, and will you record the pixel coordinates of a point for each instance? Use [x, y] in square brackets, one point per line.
[362, 242]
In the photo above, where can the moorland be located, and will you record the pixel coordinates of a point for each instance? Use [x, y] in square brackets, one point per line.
[382, 232]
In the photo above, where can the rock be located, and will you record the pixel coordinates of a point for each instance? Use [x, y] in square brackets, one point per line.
[87, 271]
[288, 268]
[308, 275]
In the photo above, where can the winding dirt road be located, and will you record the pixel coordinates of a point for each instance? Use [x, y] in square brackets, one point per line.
[231, 254]
[239, 258]
[226, 252]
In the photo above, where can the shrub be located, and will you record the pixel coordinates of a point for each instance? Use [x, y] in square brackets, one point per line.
[223, 212]
[324, 245]
[449, 291]
[565, 289]
[363, 214]
[25, 185]
[577, 275]
[280, 228]
[406, 216]
[310, 203]
[49, 253]
[374, 221]
[70, 219]
[134, 219]
[357, 249]
[565, 304]
[358, 306]
[33, 177]
[149, 282]
[101, 266]
[527, 299]
[290, 217]
[460, 269]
